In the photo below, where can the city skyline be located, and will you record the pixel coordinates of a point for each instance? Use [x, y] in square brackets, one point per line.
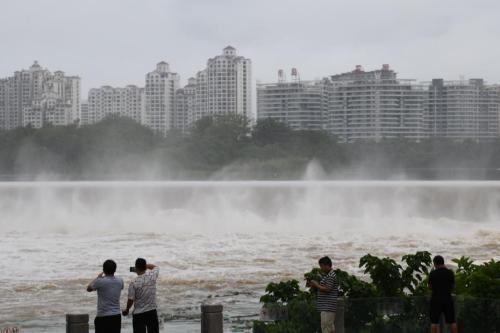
[353, 105]
[273, 76]
[116, 44]
[32, 97]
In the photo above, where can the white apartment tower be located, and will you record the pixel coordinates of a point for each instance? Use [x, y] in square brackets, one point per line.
[228, 84]
[3, 90]
[84, 113]
[301, 105]
[161, 85]
[126, 102]
[36, 97]
[185, 106]
[376, 105]
[465, 109]
[223, 87]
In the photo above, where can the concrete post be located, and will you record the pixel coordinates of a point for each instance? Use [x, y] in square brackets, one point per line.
[211, 319]
[77, 323]
[339, 316]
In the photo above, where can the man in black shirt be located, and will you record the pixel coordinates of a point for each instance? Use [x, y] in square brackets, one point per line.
[442, 282]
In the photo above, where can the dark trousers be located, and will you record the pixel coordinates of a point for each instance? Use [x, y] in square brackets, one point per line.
[146, 320]
[442, 305]
[108, 324]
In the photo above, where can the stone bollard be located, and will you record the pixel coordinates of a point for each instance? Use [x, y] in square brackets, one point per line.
[211, 319]
[77, 323]
[339, 316]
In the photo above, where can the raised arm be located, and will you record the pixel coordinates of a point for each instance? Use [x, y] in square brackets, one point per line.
[150, 266]
[91, 285]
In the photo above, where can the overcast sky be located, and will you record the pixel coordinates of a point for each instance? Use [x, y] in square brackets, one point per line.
[116, 42]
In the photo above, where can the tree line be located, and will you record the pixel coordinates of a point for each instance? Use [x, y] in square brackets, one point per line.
[230, 147]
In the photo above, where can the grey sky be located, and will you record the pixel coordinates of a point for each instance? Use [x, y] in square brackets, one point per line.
[117, 41]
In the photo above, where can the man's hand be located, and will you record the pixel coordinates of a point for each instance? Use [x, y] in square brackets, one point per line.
[315, 284]
[89, 287]
[130, 302]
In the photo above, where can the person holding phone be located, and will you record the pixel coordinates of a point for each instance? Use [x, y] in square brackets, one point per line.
[142, 295]
[109, 288]
[328, 291]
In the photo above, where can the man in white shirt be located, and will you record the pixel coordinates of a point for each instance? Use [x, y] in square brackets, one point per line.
[142, 294]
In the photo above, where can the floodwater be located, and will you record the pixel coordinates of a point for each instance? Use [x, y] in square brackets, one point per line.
[219, 242]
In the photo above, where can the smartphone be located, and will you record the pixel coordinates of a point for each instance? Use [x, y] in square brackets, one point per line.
[132, 269]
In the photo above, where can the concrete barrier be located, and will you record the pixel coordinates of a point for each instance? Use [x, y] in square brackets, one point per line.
[211, 319]
[77, 323]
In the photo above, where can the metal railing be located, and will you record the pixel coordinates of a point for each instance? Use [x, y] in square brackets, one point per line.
[404, 315]
[366, 315]
[411, 315]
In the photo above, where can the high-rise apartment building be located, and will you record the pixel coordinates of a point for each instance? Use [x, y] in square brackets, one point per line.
[201, 95]
[161, 85]
[465, 109]
[185, 106]
[223, 87]
[126, 102]
[375, 105]
[229, 84]
[36, 97]
[302, 105]
[84, 113]
[3, 90]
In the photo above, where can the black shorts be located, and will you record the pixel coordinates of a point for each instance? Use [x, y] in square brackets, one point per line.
[108, 324]
[442, 305]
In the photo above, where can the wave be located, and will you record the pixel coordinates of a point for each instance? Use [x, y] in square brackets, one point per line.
[246, 207]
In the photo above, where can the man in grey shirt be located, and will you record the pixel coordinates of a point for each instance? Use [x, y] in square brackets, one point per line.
[108, 287]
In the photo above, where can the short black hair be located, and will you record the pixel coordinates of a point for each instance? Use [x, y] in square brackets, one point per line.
[325, 261]
[438, 260]
[140, 264]
[109, 267]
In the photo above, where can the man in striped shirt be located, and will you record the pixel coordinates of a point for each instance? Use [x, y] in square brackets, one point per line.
[327, 295]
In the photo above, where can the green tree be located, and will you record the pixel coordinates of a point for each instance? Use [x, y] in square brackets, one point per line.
[269, 131]
[218, 140]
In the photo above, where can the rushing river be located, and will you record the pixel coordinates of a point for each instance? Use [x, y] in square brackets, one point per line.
[219, 242]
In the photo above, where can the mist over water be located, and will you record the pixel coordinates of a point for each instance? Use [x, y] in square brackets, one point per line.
[244, 206]
[221, 241]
